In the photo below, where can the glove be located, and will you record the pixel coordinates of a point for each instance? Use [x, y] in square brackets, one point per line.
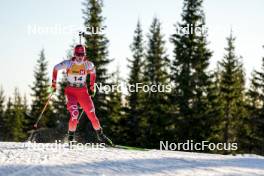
[53, 85]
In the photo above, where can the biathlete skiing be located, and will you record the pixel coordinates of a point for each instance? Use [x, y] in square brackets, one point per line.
[76, 91]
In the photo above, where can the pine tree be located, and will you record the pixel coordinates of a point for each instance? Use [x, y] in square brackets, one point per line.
[26, 113]
[134, 109]
[190, 75]
[215, 108]
[40, 94]
[115, 122]
[252, 106]
[232, 93]
[96, 50]
[8, 117]
[254, 93]
[25, 104]
[256, 110]
[19, 118]
[15, 118]
[2, 120]
[155, 117]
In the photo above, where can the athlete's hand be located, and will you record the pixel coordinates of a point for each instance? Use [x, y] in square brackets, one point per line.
[93, 93]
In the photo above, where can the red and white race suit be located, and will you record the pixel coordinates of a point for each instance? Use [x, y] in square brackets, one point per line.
[76, 90]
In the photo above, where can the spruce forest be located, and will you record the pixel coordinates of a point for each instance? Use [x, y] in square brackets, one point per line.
[203, 105]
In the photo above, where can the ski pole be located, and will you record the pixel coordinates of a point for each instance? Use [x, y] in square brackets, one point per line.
[79, 118]
[81, 34]
[40, 116]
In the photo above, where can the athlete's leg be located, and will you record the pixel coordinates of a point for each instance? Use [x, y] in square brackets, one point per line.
[86, 103]
[72, 107]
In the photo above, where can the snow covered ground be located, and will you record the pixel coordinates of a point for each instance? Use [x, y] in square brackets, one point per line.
[18, 159]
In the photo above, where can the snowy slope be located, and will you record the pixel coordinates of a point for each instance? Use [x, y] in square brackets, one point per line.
[16, 159]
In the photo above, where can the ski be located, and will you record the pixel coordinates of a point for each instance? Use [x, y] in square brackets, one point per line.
[128, 148]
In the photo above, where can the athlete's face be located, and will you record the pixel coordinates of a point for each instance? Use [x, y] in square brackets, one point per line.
[79, 58]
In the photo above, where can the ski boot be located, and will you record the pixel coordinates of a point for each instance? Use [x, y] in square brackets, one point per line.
[71, 138]
[102, 138]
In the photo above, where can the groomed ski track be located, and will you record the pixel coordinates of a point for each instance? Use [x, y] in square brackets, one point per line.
[16, 159]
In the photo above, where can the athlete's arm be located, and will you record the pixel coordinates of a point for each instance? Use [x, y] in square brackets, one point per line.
[92, 72]
[60, 66]
[92, 79]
